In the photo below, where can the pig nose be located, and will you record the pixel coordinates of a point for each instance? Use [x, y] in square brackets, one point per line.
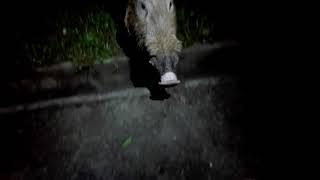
[169, 78]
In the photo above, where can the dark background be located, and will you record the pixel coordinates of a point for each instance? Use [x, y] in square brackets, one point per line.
[24, 21]
[233, 20]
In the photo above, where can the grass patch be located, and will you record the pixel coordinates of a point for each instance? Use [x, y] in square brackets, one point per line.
[193, 28]
[91, 38]
[82, 40]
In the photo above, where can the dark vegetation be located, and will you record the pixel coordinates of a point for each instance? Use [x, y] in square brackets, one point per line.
[41, 34]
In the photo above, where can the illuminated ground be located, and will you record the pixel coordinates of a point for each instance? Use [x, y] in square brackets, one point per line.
[195, 134]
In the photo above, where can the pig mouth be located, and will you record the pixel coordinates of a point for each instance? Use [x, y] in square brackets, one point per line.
[169, 79]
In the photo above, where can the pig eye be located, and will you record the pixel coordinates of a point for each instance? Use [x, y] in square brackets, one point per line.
[143, 6]
[144, 9]
[170, 5]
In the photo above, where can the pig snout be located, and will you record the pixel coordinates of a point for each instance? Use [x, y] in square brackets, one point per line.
[169, 78]
[166, 66]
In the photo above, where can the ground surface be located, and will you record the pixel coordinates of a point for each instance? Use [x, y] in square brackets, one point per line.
[98, 126]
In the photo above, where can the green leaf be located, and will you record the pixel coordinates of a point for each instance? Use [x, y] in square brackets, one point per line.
[127, 142]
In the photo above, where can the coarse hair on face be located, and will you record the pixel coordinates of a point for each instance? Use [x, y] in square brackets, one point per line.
[153, 23]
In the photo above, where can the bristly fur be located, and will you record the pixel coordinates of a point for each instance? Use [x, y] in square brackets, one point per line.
[157, 32]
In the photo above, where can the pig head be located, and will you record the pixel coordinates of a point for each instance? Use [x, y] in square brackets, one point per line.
[153, 24]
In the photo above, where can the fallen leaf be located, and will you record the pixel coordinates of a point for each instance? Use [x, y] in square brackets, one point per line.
[127, 142]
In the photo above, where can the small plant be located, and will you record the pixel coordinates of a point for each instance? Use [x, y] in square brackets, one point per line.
[82, 40]
[91, 38]
[193, 28]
